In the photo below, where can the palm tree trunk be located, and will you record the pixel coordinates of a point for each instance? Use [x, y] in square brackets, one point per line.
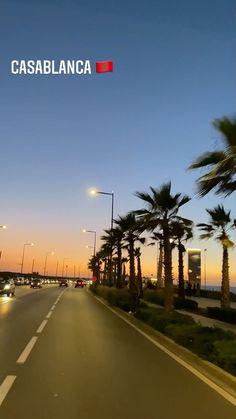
[225, 290]
[132, 283]
[139, 272]
[119, 266]
[160, 267]
[181, 291]
[123, 274]
[168, 271]
[131, 267]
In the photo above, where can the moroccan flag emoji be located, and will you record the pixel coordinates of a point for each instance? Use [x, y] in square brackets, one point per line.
[104, 66]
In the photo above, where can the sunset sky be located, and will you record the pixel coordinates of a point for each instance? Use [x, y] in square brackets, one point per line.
[140, 126]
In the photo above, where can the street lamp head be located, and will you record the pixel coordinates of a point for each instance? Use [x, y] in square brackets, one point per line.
[84, 231]
[4, 227]
[93, 192]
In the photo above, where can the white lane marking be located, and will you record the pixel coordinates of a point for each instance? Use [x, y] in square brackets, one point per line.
[42, 326]
[52, 308]
[25, 353]
[49, 315]
[202, 377]
[5, 386]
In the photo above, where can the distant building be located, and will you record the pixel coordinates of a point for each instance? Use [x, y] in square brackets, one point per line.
[194, 268]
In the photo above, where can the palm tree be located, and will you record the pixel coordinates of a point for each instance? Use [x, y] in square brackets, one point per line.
[137, 254]
[219, 225]
[105, 252]
[94, 265]
[158, 237]
[162, 209]
[124, 261]
[113, 238]
[222, 163]
[131, 231]
[181, 231]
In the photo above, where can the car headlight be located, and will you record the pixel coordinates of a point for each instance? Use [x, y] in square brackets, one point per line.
[6, 287]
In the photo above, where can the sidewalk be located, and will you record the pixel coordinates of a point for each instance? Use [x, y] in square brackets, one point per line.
[207, 321]
[208, 302]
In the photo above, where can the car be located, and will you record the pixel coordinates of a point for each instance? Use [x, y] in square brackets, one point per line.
[79, 283]
[63, 283]
[7, 286]
[35, 283]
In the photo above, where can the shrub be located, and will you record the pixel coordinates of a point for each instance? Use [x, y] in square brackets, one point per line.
[228, 315]
[145, 313]
[153, 296]
[225, 355]
[184, 303]
[116, 297]
[183, 334]
[161, 321]
[94, 288]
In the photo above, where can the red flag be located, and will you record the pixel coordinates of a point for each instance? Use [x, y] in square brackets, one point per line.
[104, 66]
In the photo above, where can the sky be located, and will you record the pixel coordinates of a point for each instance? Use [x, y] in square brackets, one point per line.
[139, 126]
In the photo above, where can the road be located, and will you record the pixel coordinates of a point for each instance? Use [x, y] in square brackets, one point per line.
[86, 362]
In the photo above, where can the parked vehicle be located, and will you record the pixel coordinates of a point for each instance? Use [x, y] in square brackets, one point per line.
[7, 286]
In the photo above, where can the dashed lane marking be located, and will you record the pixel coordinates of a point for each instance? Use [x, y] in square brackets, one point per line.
[5, 386]
[25, 353]
[42, 326]
[49, 315]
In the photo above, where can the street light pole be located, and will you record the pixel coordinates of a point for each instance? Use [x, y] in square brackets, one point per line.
[94, 241]
[93, 192]
[32, 266]
[57, 268]
[63, 266]
[45, 263]
[23, 255]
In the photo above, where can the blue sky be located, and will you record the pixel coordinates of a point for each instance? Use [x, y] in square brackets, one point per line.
[142, 125]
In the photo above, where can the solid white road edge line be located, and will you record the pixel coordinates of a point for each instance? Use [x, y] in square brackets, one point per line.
[5, 386]
[49, 315]
[42, 326]
[202, 377]
[25, 353]
[54, 305]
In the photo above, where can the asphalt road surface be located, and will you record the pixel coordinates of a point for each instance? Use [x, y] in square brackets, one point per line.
[64, 355]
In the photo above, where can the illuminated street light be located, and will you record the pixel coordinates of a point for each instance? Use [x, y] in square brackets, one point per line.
[46, 258]
[3, 227]
[23, 255]
[95, 239]
[94, 192]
